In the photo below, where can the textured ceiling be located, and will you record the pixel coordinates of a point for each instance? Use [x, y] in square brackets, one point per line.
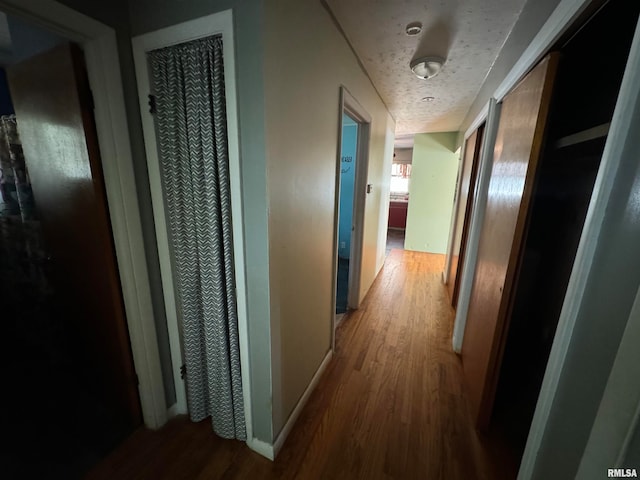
[468, 33]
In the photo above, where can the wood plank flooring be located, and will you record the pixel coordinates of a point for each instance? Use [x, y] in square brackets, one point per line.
[395, 240]
[391, 404]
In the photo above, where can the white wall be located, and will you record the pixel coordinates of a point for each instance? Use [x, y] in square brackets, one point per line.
[306, 61]
[402, 155]
[431, 191]
[612, 436]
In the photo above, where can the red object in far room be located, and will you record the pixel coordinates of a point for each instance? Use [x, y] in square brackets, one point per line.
[398, 214]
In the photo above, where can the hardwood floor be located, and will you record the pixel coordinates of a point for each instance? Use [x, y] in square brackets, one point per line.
[395, 240]
[390, 405]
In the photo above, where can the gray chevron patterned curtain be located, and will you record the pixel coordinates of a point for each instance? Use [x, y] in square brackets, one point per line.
[188, 83]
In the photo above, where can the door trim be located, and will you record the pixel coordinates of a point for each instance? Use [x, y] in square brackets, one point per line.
[448, 259]
[216, 24]
[103, 67]
[350, 106]
[468, 207]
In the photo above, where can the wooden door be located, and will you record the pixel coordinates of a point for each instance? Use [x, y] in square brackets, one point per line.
[466, 194]
[517, 150]
[54, 114]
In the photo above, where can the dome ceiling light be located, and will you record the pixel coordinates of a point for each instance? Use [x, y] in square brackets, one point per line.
[413, 29]
[426, 67]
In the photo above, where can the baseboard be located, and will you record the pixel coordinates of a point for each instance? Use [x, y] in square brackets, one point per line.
[284, 433]
[263, 448]
[175, 410]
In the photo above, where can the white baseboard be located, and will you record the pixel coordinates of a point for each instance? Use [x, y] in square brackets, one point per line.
[284, 433]
[175, 410]
[263, 448]
[258, 446]
[271, 451]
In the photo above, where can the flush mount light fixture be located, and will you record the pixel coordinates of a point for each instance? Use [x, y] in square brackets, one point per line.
[426, 67]
[413, 29]
[428, 99]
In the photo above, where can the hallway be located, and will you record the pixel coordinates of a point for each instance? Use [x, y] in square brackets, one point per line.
[390, 404]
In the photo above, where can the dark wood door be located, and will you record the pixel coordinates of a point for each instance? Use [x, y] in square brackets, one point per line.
[54, 113]
[463, 214]
[517, 150]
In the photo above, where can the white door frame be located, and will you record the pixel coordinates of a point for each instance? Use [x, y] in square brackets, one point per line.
[103, 66]
[453, 228]
[350, 106]
[216, 24]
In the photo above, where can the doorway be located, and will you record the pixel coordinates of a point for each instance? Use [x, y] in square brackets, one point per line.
[398, 198]
[74, 389]
[133, 252]
[348, 167]
[351, 191]
[201, 170]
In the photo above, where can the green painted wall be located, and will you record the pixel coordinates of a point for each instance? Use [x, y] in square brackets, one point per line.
[431, 191]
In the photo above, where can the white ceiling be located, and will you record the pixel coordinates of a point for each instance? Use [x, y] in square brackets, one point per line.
[468, 33]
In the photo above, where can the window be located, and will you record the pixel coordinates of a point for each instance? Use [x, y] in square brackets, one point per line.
[400, 174]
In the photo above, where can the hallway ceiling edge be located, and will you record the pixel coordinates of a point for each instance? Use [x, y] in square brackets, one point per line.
[469, 34]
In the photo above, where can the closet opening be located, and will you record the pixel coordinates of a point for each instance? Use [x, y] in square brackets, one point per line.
[581, 111]
[72, 392]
